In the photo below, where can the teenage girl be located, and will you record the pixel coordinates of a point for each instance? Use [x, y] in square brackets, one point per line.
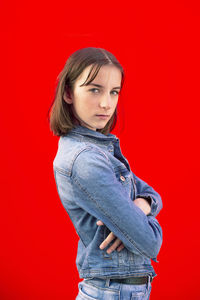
[112, 210]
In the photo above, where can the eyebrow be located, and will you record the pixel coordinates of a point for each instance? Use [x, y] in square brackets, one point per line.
[98, 85]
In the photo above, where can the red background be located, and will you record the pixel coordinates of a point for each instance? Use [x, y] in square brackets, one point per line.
[158, 45]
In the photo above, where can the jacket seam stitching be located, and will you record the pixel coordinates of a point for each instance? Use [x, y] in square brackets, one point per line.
[86, 148]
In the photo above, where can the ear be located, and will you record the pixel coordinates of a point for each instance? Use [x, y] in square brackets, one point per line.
[67, 97]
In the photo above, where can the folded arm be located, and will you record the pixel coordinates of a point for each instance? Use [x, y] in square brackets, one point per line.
[105, 198]
[144, 205]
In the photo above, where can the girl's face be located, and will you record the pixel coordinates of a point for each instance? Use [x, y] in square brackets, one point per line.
[94, 104]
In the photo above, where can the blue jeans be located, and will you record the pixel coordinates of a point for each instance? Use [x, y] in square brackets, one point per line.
[103, 289]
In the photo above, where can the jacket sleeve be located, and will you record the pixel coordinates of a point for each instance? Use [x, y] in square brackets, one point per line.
[98, 192]
[143, 190]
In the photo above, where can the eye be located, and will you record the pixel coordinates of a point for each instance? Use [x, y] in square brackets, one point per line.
[94, 90]
[117, 93]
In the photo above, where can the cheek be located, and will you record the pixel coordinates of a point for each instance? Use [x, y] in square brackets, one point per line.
[88, 103]
[115, 103]
[83, 105]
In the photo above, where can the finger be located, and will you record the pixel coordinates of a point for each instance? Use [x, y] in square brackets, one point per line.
[120, 247]
[116, 243]
[99, 223]
[107, 241]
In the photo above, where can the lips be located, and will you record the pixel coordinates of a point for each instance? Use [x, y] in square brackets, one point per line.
[103, 117]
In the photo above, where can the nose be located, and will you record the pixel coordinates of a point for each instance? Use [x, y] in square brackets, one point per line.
[105, 102]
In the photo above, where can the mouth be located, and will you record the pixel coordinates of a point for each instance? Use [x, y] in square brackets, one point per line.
[103, 116]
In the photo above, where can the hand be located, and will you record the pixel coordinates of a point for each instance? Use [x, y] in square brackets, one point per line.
[144, 206]
[117, 243]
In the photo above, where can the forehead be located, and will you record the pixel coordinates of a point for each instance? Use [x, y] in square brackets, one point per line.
[107, 73]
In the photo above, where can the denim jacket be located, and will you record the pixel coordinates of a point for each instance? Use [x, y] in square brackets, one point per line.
[94, 182]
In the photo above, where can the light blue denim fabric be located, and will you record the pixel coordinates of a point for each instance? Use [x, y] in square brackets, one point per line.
[103, 289]
[95, 182]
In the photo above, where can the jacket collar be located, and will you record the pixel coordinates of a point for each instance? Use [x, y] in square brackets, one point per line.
[81, 130]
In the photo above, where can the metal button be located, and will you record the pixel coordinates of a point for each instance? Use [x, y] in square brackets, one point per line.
[122, 178]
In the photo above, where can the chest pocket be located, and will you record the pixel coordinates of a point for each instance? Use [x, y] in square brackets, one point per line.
[125, 178]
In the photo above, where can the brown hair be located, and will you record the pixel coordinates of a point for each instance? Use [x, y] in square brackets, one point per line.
[60, 115]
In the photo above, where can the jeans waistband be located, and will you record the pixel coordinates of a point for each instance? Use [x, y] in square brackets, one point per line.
[106, 282]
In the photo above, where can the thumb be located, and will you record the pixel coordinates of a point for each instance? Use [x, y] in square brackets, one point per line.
[99, 223]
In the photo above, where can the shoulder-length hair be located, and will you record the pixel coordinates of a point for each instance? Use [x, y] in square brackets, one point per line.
[60, 115]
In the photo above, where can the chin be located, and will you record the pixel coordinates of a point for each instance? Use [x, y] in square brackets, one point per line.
[100, 126]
